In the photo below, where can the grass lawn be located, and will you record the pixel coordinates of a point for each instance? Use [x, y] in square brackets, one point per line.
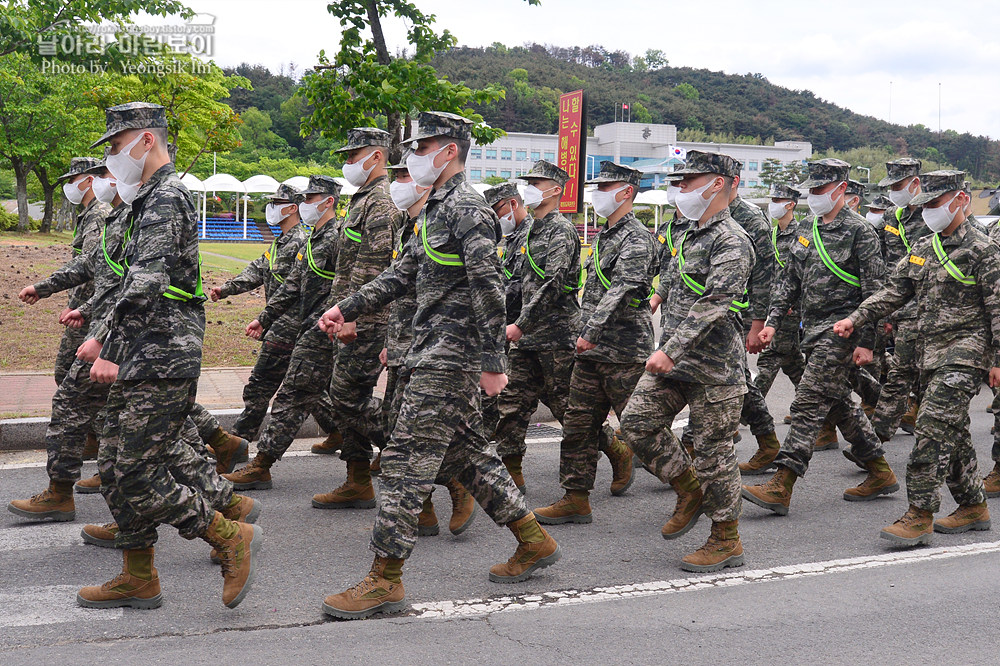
[245, 251]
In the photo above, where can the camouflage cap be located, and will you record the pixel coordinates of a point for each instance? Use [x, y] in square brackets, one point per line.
[616, 173]
[782, 191]
[881, 202]
[133, 115]
[825, 171]
[501, 192]
[362, 137]
[401, 166]
[935, 183]
[286, 192]
[698, 161]
[546, 170]
[900, 169]
[855, 187]
[322, 185]
[79, 165]
[442, 123]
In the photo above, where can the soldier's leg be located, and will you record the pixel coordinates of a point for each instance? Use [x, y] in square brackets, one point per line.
[194, 470]
[793, 363]
[899, 383]
[715, 412]
[646, 426]
[355, 373]
[304, 391]
[857, 429]
[865, 385]
[72, 338]
[586, 411]
[557, 369]
[768, 365]
[263, 383]
[754, 410]
[75, 407]
[518, 401]
[203, 420]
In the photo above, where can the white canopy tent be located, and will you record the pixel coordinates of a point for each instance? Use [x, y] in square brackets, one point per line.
[224, 182]
[346, 189]
[655, 198]
[261, 183]
[193, 183]
[298, 182]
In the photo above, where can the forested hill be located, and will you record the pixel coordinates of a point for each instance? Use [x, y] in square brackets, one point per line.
[697, 101]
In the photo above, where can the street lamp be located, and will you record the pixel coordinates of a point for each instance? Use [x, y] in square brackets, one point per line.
[868, 173]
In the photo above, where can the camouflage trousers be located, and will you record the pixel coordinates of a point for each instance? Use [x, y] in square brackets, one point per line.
[824, 394]
[264, 381]
[995, 406]
[943, 452]
[900, 381]
[595, 388]
[75, 408]
[71, 340]
[304, 391]
[755, 412]
[714, 417]
[438, 434]
[355, 373]
[865, 385]
[782, 354]
[206, 424]
[534, 375]
[141, 448]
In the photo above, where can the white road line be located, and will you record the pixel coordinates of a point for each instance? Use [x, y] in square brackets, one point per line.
[27, 465]
[475, 607]
[51, 604]
[28, 536]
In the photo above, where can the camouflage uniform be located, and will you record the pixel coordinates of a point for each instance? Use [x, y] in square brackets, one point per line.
[993, 232]
[955, 345]
[458, 333]
[541, 362]
[668, 238]
[706, 343]
[616, 317]
[825, 298]
[399, 336]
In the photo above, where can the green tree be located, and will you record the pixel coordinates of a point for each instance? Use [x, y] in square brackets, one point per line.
[640, 114]
[687, 91]
[655, 59]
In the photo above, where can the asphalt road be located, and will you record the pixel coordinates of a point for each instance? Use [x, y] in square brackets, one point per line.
[818, 585]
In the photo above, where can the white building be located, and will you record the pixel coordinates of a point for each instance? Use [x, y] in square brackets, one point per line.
[646, 146]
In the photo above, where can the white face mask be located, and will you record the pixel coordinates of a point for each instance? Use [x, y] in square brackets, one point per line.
[672, 191]
[692, 205]
[422, 169]
[125, 168]
[902, 197]
[874, 218]
[605, 204]
[405, 194]
[938, 218]
[776, 210]
[356, 174]
[127, 192]
[73, 192]
[821, 204]
[104, 189]
[309, 212]
[533, 196]
[273, 214]
[508, 224]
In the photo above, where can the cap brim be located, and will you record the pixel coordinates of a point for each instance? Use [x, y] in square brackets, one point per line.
[815, 182]
[604, 179]
[107, 136]
[306, 193]
[927, 197]
[891, 180]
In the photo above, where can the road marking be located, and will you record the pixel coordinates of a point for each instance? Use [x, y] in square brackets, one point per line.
[50, 604]
[28, 536]
[475, 607]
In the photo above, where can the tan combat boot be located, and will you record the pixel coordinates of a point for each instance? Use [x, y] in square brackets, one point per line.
[427, 521]
[463, 507]
[229, 450]
[329, 446]
[91, 447]
[909, 421]
[536, 549]
[620, 456]
[237, 545]
[827, 438]
[574, 507]
[137, 586]
[356, 493]
[254, 476]
[376, 466]
[688, 507]
[869, 410]
[55, 503]
[991, 483]
[767, 450]
[776, 494]
[965, 518]
[787, 420]
[242, 509]
[88, 486]
[723, 549]
[381, 591]
[513, 465]
[881, 480]
[914, 528]
[100, 535]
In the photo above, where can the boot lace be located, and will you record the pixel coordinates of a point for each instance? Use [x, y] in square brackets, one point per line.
[42, 496]
[120, 579]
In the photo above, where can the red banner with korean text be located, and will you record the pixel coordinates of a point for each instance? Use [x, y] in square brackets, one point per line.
[572, 149]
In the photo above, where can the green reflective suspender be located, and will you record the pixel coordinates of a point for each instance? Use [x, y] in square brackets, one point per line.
[115, 267]
[834, 268]
[541, 273]
[503, 255]
[670, 237]
[312, 264]
[635, 302]
[438, 257]
[774, 244]
[76, 233]
[176, 294]
[270, 261]
[352, 234]
[902, 231]
[948, 264]
[697, 287]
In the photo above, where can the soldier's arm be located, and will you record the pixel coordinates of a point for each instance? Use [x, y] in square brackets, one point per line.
[762, 274]
[559, 273]
[249, 278]
[387, 287]
[988, 280]
[896, 291]
[788, 286]
[663, 288]
[627, 282]
[286, 296]
[375, 253]
[78, 270]
[872, 276]
[475, 231]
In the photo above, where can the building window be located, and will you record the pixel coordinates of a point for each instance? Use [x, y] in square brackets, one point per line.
[753, 183]
[535, 156]
[522, 155]
[752, 166]
[550, 156]
[505, 154]
[505, 174]
[475, 174]
[491, 153]
[476, 153]
[491, 173]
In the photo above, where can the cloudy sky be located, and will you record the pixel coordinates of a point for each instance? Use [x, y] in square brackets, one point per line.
[846, 52]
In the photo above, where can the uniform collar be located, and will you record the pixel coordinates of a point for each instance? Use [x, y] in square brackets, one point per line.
[441, 193]
[154, 181]
[368, 187]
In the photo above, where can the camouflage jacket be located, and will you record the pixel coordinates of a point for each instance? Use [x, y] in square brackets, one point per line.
[958, 323]
[366, 247]
[705, 341]
[668, 238]
[151, 336]
[400, 332]
[615, 309]
[782, 243]
[270, 270]
[107, 266]
[993, 231]
[550, 284]
[510, 266]
[903, 228]
[306, 288]
[452, 262]
[825, 298]
[77, 273]
[752, 219]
